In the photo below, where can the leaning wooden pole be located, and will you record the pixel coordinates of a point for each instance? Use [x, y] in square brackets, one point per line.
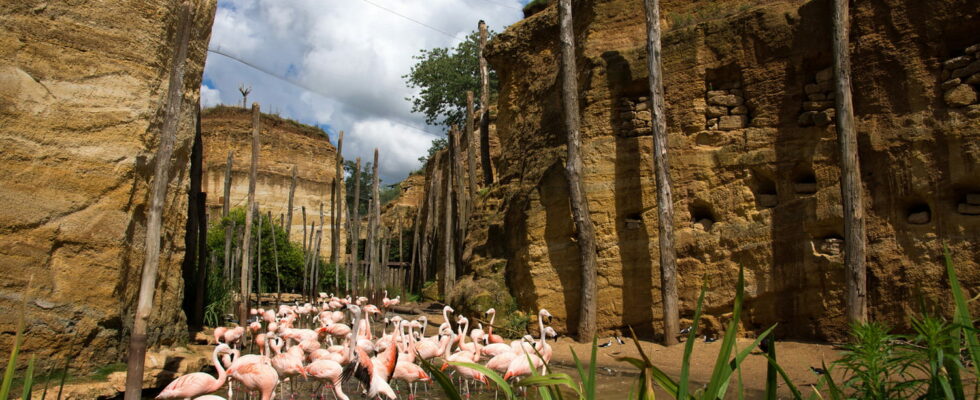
[275, 257]
[585, 232]
[355, 223]
[460, 191]
[289, 204]
[665, 204]
[449, 271]
[225, 209]
[484, 108]
[158, 194]
[252, 177]
[335, 208]
[851, 187]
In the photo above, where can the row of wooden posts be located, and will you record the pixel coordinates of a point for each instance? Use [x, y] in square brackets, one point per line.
[854, 224]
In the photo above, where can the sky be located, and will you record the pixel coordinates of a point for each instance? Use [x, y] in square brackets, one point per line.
[339, 64]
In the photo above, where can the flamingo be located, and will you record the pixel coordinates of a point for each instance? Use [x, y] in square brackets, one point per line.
[219, 333]
[491, 338]
[256, 376]
[198, 383]
[328, 371]
[364, 368]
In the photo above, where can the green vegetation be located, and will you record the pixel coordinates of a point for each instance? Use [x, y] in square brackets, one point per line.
[536, 6]
[443, 75]
[437, 145]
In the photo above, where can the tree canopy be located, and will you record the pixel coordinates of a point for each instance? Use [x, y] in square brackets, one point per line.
[443, 76]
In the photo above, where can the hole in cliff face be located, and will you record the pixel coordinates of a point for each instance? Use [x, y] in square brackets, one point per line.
[832, 245]
[702, 215]
[726, 109]
[764, 189]
[918, 213]
[805, 182]
[634, 221]
[968, 201]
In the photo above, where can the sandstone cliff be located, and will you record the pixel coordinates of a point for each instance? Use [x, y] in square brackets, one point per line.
[284, 144]
[753, 156]
[81, 104]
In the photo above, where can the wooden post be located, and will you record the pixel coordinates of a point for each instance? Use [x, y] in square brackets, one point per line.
[258, 257]
[485, 109]
[850, 166]
[201, 207]
[289, 205]
[460, 192]
[472, 144]
[573, 173]
[665, 204]
[374, 211]
[253, 176]
[355, 223]
[275, 257]
[316, 271]
[431, 231]
[306, 251]
[415, 248]
[158, 194]
[335, 207]
[225, 208]
[449, 272]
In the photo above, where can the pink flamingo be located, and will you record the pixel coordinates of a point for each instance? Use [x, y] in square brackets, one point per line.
[198, 383]
[257, 376]
[219, 334]
[491, 338]
[328, 371]
[373, 376]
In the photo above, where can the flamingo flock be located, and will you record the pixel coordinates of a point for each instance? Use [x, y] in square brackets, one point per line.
[315, 343]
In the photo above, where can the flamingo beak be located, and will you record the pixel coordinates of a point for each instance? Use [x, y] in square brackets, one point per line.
[444, 366]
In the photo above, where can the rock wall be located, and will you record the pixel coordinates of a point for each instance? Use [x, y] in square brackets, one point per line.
[753, 155]
[284, 144]
[82, 88]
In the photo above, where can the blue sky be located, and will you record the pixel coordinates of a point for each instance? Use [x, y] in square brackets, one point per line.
[345, 59]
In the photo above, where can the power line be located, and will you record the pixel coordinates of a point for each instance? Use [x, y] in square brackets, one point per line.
[218, 50]
[412, 19]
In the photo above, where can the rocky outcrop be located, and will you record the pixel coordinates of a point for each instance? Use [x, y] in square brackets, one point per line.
[758, 190]
[284, 144]
[82, 87]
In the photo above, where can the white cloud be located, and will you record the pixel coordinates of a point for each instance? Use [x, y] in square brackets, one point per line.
[210, 97]
[353, 55]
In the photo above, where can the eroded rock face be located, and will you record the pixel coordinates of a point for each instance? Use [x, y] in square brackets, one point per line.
[284, 144]
[763, 194]
[82, 87]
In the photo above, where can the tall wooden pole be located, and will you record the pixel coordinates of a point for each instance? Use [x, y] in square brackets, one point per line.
[485, 108]
[665, 204]
[449, 254]
[472, 146]
[306, 250]
[252, 177]
[316, 271]
[462, 206]
[374, 221]
[415, 248]
[225, 209]
[258, 257]
[851, 187]
[275, 257]
[158, 194]
[289, 205]
[335, 208]
[355, 223]
[573, 173]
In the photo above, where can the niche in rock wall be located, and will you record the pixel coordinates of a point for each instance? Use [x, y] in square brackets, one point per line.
[634, 117]
[969, 202]
[702, 215]
[918, 213]
[634, 221]
[764, 189]
[830, 245]
[961, 78]
[805, 182]
[726, 109]
[818, 104]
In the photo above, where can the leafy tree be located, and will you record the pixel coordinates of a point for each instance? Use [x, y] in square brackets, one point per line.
[366, 178]
[390, 192]
[444, 75]
[437, 144]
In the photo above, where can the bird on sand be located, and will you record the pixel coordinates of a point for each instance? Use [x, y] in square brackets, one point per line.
[198, 383]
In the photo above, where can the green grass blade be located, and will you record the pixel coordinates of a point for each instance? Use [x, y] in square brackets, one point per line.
[29, 379]
[963, 318]
[440, 378]
[741, 388]
[833, 389]
[689, 345]
[8, 374]
[789, 383]
[492, 375]
[590, 388]
[771, 373]
[739, 357]
[722, 370]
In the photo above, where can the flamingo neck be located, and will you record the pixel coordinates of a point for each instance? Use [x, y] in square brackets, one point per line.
[490, 329]
[541, 327]
[222, 374]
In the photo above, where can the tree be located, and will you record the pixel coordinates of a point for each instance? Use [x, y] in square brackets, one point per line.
[443, 76]
[850, 168]
[437, 144]
[665, 203]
